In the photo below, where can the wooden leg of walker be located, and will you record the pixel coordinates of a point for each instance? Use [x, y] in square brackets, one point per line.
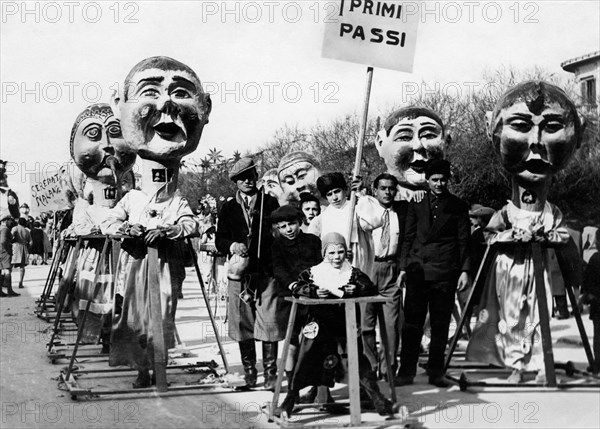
[542, 302]
[158, 337]
[284, 353]
[353, 378]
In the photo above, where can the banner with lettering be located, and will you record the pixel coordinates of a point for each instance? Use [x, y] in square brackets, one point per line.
[375, 33]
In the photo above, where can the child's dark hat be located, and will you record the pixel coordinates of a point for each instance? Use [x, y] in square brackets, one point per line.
[286, 214]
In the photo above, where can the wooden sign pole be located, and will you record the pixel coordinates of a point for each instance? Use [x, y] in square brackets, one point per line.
[359, 149]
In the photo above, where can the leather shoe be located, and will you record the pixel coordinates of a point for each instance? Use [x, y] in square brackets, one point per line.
[440, 381]
[403, 380]
[13, 293]
[2, 294]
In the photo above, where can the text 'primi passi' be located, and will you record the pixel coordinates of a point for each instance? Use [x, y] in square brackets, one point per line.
[391, 10]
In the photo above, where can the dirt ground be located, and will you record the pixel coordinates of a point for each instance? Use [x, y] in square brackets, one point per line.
[32, 396]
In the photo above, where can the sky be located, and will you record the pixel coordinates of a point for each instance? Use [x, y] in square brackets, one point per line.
[261, 62]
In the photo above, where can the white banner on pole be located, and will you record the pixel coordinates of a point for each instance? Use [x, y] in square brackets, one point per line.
[375, 33]
[46, 193]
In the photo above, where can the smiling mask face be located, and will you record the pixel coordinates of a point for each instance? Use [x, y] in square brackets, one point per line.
[411, 137]
[163, 109]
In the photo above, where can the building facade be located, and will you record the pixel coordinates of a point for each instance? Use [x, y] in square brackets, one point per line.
[587, 72]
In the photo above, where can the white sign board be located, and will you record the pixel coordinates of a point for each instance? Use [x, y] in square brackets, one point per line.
[46, 193]
[375, 33]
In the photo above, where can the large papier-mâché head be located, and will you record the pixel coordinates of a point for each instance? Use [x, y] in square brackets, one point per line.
[163, 109]
[536, 129]
[411, 137]
[97, 145]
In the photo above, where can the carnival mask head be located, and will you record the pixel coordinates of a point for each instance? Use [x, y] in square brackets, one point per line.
[411, 137]
[98, 147]
[163, 109]
[298, 172]
[270, 183]
[536, 129]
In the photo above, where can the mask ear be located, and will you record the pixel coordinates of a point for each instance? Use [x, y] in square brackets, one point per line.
[381, 136]
[448, 139]
[488, 123]
[115, 103]
[207, 107]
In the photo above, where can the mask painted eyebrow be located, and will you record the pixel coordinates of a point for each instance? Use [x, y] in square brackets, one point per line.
[151, 79]
[185, 81]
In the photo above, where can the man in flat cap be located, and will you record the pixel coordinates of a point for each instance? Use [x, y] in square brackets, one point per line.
[244, 233]
[434, 261]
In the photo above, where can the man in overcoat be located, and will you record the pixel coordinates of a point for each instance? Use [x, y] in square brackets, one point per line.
[244, 233]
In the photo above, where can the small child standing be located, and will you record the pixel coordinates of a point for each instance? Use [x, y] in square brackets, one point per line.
[319, 362]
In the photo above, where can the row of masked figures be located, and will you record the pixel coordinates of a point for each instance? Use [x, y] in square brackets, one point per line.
[158, 118]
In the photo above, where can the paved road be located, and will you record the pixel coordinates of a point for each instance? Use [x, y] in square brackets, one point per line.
[30, 394]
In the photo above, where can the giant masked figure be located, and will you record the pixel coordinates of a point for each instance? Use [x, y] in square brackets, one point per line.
[536, 129]
[101, 174]
[163, 110]
[411, 136]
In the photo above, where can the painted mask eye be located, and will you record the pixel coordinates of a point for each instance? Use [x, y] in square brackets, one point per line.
[93, 133]
[403, 137]
[150, 93]
[181, 93]
[520, 125]
[114, 130]
[554, 126]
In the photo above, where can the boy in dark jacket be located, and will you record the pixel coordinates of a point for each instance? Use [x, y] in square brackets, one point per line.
[292, 252]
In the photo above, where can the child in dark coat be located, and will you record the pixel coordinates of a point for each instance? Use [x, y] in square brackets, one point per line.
[292, 252]
[319, 362]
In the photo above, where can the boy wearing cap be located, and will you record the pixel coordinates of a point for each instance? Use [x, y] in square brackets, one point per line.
[318, 361]
[244, 233]
[434, 261]
[293, 251]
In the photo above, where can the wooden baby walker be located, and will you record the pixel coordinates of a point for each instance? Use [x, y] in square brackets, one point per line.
[70, 374]
[584, 379]
[352, 351]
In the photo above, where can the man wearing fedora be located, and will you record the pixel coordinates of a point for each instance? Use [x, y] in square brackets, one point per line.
[244, 234]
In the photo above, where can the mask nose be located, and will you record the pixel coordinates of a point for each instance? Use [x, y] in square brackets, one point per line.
[164, 104]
